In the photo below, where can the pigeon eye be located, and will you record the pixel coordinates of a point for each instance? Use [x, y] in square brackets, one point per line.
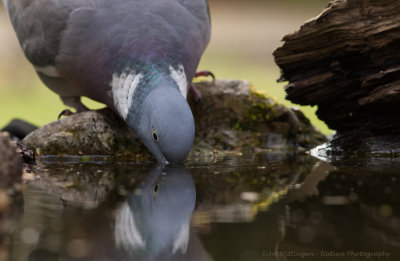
[155, 136]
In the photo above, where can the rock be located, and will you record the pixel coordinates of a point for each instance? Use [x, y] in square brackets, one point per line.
[346, 62]
[233, 117]
[10, 190]
[88, 133]
[10, 163]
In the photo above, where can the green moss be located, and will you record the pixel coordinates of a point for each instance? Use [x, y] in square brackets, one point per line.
[236, 126]
[84, 159]
[260, 111]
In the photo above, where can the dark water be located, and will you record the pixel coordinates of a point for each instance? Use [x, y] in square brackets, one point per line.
[270, 207]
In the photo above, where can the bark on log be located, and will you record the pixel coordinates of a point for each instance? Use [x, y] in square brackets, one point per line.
[347, 61]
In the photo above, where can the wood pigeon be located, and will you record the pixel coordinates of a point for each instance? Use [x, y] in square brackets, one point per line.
[136, 56]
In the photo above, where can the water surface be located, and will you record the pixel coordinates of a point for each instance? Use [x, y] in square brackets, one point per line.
[267, 207]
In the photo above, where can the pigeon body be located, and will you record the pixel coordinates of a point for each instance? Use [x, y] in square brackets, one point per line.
[136, 56]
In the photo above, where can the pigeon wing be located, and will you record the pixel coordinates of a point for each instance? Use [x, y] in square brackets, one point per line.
[39, 25]
[199, 9]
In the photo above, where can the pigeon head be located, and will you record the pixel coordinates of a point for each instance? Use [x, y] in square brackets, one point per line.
[166, 126]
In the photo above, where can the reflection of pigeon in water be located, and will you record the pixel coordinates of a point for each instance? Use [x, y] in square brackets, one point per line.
[138, 57]
[154, 222]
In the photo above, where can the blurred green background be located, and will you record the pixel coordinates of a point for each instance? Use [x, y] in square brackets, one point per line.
[245, 33]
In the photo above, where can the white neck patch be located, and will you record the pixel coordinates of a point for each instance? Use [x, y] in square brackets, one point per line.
[123, 86]
[126, 234]
[182, 239]
[179, 77]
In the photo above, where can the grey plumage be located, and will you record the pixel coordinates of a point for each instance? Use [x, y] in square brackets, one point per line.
[116, 52]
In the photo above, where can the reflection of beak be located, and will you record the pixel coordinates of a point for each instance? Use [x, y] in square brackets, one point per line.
[163, 161]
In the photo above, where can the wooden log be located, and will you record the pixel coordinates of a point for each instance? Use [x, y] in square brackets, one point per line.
[347, 61]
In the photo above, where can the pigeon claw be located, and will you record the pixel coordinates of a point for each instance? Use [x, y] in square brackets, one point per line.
[194, 91]
[205, 74]
[196, 94]
[65, 112]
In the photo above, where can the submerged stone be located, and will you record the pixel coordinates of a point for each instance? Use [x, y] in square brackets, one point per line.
[232, 117]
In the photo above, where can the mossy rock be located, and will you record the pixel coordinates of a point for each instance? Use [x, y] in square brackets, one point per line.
[234, 116]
